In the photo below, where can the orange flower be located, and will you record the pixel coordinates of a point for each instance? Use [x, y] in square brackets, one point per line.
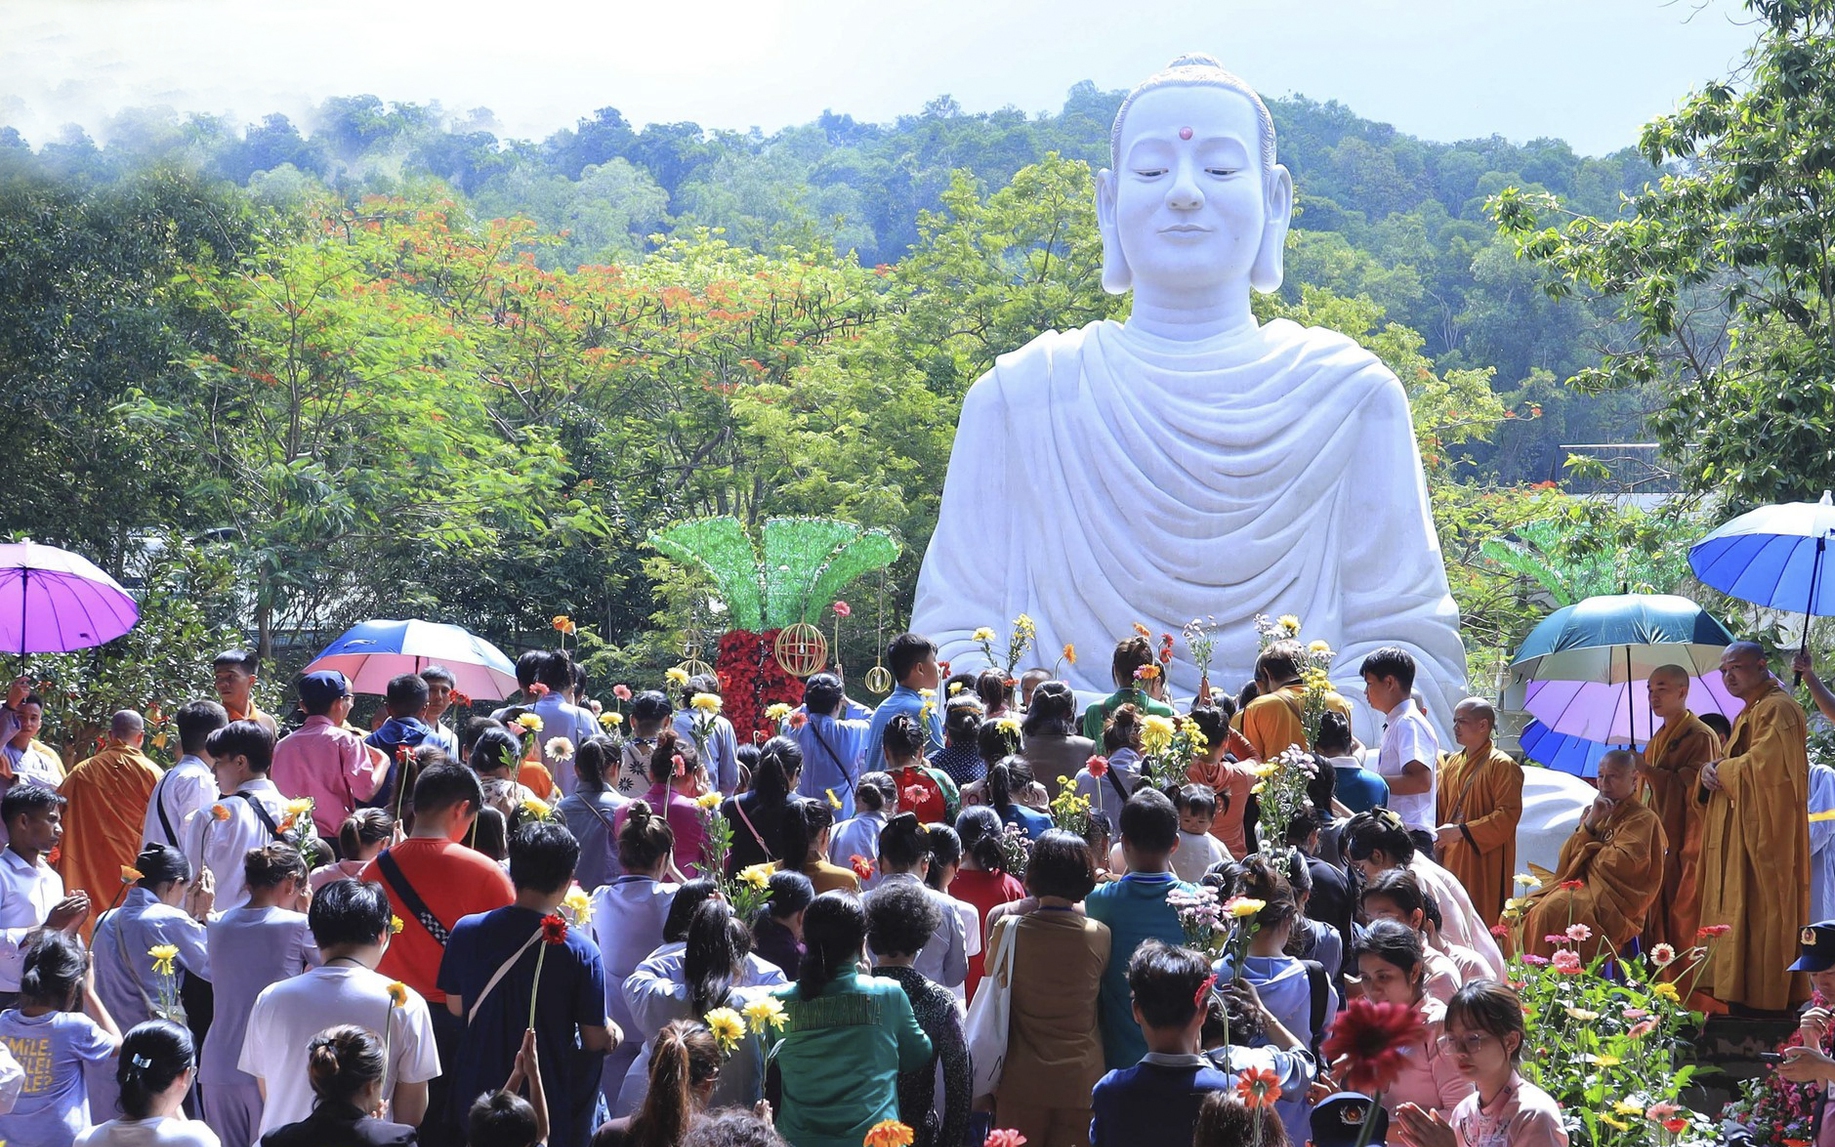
[564, 623]
[1258, 1087]
[218, 812]
[398, 994]
[890, 1133]
[863, 867]
[1142, 630]
[130, 874]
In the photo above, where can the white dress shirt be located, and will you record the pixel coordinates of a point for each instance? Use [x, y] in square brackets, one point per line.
[27, 894]
[224, 844]
[185, 789]
[1409, 737]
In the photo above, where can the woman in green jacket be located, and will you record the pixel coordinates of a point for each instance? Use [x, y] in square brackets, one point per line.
[838, 1016]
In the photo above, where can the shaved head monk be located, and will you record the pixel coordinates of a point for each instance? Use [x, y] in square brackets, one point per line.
[1755, 853]
[1671, 768]
[1614, 861]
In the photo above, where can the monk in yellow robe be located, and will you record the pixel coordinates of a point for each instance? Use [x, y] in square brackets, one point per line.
[1755, 849]
[1671, 769]
[108, 796]
[1479, 803]
[1276, 718]
[1609, 870]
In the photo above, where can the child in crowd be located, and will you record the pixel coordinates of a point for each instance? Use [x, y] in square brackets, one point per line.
[1198, 849]
[1484, 1036]
[363, 834]
[1155, 1102]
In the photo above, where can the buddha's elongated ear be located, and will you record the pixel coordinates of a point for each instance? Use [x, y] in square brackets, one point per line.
[1270, 258]
[1116, 277]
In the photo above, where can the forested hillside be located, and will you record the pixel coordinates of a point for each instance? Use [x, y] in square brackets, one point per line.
[400, 365]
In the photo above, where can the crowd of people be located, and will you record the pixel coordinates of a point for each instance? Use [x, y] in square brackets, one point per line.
[523, 928]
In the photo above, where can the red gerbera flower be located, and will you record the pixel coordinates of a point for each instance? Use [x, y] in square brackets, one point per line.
[1098, 767]
[537, 689]
[1258, 1087]
[862, 867]
[554, 929]
[1005, 1137]
[914, 795]
[402, 754]
[1369, 1042]
[1572, 885]
[798, 720]
[1713, 930]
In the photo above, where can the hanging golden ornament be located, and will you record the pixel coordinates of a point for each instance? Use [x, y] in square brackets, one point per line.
[695, 667]
[801, 650]
[878, 680]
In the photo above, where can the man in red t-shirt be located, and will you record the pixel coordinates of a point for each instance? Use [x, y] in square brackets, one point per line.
[432, 881]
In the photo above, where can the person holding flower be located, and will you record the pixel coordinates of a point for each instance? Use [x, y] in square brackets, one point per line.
[62, 1024]
[1154, 1103]
[590, 811]
[346, 1066]
[699, 720]
[162, 912]
[676, 779]
[712, 968]
[982, 882]
[756, 815]
[1393, 967]
[628, 917]
[1484, 1037]
[507, 971]
[1107, 779]
[806, 829]
[837, 1016]
[921, 789]
[1133, 656]
[834, 746]
[875, 801]
[1298, 993]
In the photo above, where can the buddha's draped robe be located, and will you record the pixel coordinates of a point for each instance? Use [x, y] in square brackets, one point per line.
[1482, 792]
[1755, 857]
[108, 796]
[1619, 868]
[1103, 476]
[1672, 770]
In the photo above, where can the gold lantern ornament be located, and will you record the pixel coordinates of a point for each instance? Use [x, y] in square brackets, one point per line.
[691, 660]
[879, 680]
[801, 650]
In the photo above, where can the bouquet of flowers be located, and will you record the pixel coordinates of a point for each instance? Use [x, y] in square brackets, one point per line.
[1201, 642]
[1168, 747]
[1219, 929]
[1282, 788]
[1020, 640]
[750, 889]
[1071, 812]
[1016, 846]
[1771, 1111]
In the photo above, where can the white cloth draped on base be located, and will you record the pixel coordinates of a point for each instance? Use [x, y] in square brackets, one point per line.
[1103, 476]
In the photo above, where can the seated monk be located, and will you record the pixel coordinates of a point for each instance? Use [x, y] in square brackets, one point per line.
[1610, 870]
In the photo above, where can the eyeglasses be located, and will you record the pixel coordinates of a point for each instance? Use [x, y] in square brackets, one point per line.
[1469, 1044]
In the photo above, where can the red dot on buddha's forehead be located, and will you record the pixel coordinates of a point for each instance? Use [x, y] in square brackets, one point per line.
[1184, 133]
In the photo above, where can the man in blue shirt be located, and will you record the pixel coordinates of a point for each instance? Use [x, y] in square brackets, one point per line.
[912, 659]
[1136, 911]
[572, 1033]
[405, 701]
[1155, 1102]
[560, 717]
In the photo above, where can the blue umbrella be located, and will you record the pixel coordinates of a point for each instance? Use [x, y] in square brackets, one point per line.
[1560, 751]
[1774, 556]
[371, 653]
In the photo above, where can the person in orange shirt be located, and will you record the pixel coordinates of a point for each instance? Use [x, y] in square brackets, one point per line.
[108, 796]
[432, 881]
[236, 673]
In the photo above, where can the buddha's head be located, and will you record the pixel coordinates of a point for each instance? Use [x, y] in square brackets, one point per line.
[1193, 200]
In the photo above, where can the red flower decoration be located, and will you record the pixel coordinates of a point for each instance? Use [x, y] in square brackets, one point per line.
[798, 720]
[1712, 931]
[1572, 885]
[862, 867]
[537, 689]
[402, 754]
[1500, 930]
[914, 795]
[843, 609]
[1258, 1087]
[554, 929]
[462, 700]
[1098, 767]
[622, 692]
[1369, 1042]
[944, 667]
[1204, 989]
[1004, 1137]
[681, 766]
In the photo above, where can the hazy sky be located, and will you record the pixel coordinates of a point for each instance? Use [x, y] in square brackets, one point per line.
[1589, 71]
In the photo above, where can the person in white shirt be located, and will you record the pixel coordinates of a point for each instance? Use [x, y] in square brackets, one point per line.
[1410, 750]
[31, 892]
[188, 787]
[29, 759]
[1198, 849]
[441, 686]
[246, 816]
[904, 856]
[153, 1073]
[350, 922]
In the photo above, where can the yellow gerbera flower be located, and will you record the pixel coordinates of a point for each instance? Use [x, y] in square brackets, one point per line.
[705, 702]
[1615, 1124]
[1668, 991]
[163, 955]
[766, 1011]
[1243, 907]
[1288, 622]
[299, 806]
[955, 687]
[758, 875]
[707, 802]
[580, 904]
[833, 800]
[398, 994]
[777, 712]
[535, 808]
[1623, 1107]
[531, 722]
[611, 719]
[677, 676]
[1008, 725]
[727, 1026]
[1318, 647]
[395, 925]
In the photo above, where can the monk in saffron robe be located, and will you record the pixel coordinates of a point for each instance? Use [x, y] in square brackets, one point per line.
[108, 796]
[1755, 853]
[1671, 769]
[1609, 870]
[1480, 802]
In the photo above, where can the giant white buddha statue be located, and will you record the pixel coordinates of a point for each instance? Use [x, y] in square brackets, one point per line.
[1190, 463]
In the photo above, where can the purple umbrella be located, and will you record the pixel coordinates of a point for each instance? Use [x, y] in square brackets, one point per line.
[54, 601]
[1596, 711]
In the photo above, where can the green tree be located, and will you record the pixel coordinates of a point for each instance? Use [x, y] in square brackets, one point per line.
[1723, 281]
